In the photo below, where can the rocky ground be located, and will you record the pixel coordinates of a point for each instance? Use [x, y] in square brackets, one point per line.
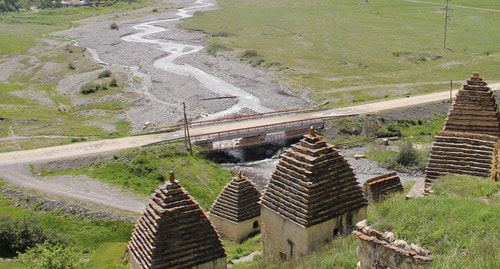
[159, 98]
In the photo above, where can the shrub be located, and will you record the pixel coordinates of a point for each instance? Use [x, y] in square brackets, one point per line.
[408, 155]
[249, 54]
[71, 66]
[17, 235]
[105, 74]
[113, 83]
[113, 26]
[213, 48]
[155, 10]
[92, 87]
[46, 256]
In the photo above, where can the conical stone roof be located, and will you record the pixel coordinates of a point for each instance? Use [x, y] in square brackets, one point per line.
[313, 183]
[174, 232]
[474, 109]
[239, 201]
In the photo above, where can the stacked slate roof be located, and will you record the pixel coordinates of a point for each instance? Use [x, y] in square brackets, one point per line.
[239, 201]
[376, 188]
[474, 109]
[470, 141]
[174, 232]
[313, 183]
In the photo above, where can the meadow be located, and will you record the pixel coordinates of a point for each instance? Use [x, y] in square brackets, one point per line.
[349, 52]
[21, 31]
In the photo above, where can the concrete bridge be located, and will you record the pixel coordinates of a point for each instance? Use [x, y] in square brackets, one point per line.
[251, 136]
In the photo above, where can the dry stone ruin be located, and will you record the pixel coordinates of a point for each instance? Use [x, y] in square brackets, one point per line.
[470, 141]
[377, 250]
[236, 212]
[312, 197]
[376, 188]
[175, 233]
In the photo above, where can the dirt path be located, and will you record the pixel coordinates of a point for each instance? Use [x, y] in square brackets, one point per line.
[80, 188]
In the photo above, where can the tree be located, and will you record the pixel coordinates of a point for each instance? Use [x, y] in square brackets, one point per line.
[47, 256]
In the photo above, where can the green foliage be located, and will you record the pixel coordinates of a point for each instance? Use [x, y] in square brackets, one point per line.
[113, 26]
[213, 47]
[235, 250]
[113, 83]
[17, 235]
[105, 74]
[405, 159]
[92, 87]
[84, 235]
[46, 256]
[408, 155]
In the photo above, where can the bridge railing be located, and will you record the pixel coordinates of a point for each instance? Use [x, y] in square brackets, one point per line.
[252, 131]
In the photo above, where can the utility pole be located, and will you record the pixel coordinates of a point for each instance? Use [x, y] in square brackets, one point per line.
[187, 137]
[446, 18]
[451, 91]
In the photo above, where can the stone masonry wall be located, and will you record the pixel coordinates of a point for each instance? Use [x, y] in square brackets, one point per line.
[378, 250]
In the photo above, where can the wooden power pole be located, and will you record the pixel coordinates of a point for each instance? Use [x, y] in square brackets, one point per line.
[187, 137]
[451, 91]
[446, 18]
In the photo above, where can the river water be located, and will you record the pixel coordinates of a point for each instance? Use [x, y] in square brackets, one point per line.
[177, 49]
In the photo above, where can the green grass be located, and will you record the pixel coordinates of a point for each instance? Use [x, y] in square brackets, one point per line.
[324, 45]
[92, 238]
[143, 170]
[458, 224]
[235, 250]
[21, 31]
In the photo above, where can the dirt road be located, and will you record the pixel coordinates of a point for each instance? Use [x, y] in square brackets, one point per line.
[110, 145]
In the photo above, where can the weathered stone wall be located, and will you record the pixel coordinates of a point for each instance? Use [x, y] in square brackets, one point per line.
[236, 231]
[376, 188]
[285, 239]
[378, 250]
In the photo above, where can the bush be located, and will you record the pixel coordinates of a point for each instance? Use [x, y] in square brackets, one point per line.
[46, 256]
[213, 48]
[249, 54]
[113, 83]
[113, 26]
[92, 87]
[155, 10]
[71, 66]
[105, 74]
[408, 155]
[17, 235]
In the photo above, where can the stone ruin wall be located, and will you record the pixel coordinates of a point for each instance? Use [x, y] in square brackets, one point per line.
[376, 188]
[377, 250]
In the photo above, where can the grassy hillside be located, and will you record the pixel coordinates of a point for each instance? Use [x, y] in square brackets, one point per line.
[458, 224]
[325, 46]
[21, 31]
